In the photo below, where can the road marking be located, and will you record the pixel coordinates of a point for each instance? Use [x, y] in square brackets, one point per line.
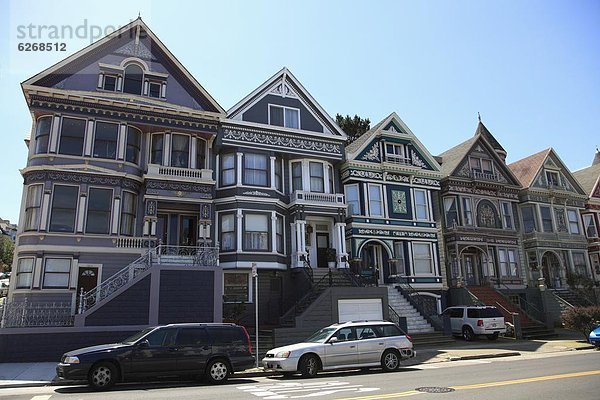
[297, 390]
[481, 385]
[43, 397]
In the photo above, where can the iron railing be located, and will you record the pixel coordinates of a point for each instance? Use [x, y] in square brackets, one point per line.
[530, 310]
[186, 255]
[394, 317]
[25, 314]
[315, 290]
[426, 308]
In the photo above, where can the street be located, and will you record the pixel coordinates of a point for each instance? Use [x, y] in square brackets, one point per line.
[568, 375]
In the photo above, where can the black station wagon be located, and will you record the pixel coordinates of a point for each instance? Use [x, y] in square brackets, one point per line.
[213, 351]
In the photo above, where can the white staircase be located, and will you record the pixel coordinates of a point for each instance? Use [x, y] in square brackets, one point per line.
[416, 323]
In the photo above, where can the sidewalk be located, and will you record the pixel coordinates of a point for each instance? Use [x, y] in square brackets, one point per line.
[43, 373]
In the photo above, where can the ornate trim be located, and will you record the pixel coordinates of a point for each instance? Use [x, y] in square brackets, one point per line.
[181, 187]
[372, 154]
[284, 90]
[72, 177]
[416, 160]
[256, 193]
[282, 141]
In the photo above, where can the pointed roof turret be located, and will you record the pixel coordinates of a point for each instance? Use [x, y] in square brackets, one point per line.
[596, 157]
[483, 131]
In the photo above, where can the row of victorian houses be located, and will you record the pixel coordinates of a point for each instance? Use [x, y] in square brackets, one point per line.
[145, 202]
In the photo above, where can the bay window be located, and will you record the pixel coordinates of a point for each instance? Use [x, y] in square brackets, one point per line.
[546, 219]
[256, 232]
[227, 169]
[72, 134]
[134, 140]
[375, 201]
[57, 273]
[529, 223]
[156, 150]
[200, 154]
[296, 176]
[316, 177]
[228, 232]
[589, 225]
[25, 272]
[105, 140]
[279, 233]
[99, 210]
[64, 208]
[506, 210]
[180, 151]
[278, 176]
[42, 134]
[255, 170]
[467, 211]
[32, 207]
[451, 211]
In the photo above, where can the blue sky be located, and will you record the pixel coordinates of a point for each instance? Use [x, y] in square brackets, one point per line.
[531, 68]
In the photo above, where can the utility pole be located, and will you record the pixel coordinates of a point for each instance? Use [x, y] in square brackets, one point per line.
[255, 276]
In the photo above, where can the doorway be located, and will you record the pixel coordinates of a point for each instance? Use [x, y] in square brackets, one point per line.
[322, 246]
[472, 268]
[87, 279]
[551, 270]
[372, 263]
[177, 229]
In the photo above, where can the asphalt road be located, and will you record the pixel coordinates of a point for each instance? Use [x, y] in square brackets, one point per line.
[569, 375]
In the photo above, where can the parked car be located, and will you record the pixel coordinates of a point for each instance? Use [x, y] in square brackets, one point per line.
[472, 321]
[341, 346]
[213, 351]
[594, 337]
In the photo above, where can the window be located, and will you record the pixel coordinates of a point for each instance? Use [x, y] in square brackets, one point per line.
[57, 273]
[396, 153]
[579, 264]
[154, 89]
[296, 176]
[573, 218]
[375, 201]
[486, 166]
[156, 152]
[423, 260]
[134, 77]
[365, 332]
[590, 226]
[399, 251]
[278, 176]
[316, 177]
[190, 337]
[32, 207]
[200, 154]
[255, 169]
[128, 213]
[98, 212]
[256, 232]
[475, 164]
[42, 134]
[236, 287]
[388, 330]
[508, 262]
[529, 224]
[162, 337]
[330, 174]
[72, 133]
[180, 151]
[110, 83]
[421, 205]
[546, 214]
[228, 169]
[506, 209]
[105, 140]
[279, 233]
[552, 178]
[25, 273]
[64, 208]
[284, 116]
[467, 211]
[132, 151]
[228, 232]
[451, 211]
[352, 199]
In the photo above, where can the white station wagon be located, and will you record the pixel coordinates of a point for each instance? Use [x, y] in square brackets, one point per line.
[354, 344]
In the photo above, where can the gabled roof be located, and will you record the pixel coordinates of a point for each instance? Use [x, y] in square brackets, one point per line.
[356, 147]
[66, 66]
[528, 168]
[483, 131]
[588, 178]
[284, 76]
[452, 157]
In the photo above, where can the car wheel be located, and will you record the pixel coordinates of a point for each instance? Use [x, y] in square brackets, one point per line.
[467, 333]
[102, 376]
[309, 366]
[217, 371]
[390, 360]
[493, 336]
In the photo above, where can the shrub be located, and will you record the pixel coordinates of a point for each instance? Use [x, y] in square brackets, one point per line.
[582, 319]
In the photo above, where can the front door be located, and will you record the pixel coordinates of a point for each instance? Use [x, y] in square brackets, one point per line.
[344, 351]
[188, 229]
[87, 280]
[470, 275]
[162, 228]
[550, 268]
[322, 245]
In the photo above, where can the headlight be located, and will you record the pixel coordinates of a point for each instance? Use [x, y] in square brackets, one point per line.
[71, 360]
[283, 354]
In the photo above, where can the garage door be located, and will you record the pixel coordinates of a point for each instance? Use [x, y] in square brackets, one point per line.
[360, 309]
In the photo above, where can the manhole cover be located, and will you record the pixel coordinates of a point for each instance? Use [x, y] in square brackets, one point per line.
[434, 389]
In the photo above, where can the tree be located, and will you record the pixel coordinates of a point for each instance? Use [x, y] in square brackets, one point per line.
[582, 319]
[7, 248]
[353, 127]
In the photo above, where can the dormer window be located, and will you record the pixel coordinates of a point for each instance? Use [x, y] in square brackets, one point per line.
[110, 83]
[284, 116]
[552, 178]
[396, 153]
[154, 89]
[134, 77]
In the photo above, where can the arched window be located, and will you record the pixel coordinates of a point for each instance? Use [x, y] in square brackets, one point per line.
[134, 76]
[487, 215]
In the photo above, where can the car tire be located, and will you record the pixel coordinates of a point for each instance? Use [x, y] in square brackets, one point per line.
[493, 336]
[217, 371]
[102, 376]
[390, 360]
[467, 333]
[309, 366]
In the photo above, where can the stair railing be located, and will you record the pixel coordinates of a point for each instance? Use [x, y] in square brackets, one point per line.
[394, 317]
[561, 300]
[315, 289]
[539, 315]
[417, 300]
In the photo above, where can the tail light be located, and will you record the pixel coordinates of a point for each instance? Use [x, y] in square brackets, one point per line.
[479, 322]
[248, 339]
[409, 338]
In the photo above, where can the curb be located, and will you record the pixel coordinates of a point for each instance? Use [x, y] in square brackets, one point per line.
[24, 385]
[482, 356]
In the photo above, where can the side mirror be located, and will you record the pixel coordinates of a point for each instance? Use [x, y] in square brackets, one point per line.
[144, 343]
[333, 340]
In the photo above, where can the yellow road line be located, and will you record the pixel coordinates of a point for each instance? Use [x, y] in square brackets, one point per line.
[480, 385]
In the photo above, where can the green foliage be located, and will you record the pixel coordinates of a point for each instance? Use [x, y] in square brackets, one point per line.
[353, 127]
[576, 280]
[582, 319]
[7, 248]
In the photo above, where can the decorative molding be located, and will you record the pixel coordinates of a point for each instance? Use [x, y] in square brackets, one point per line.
[72, 177]
[398, 178]
[366, 174]
[264, 138]
[179, 188]
[426, 181]
[284, 90]
[399, 205]
[392, 233]
[416, 159]
[483, 192]
[372, 154]
[135, 50]
[256, 193]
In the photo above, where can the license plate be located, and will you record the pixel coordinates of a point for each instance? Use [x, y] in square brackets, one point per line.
[493, 325]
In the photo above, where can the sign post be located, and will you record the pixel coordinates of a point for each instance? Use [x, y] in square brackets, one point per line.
[255, 276]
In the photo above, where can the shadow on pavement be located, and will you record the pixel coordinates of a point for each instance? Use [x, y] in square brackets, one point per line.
[344, 373]
[150, 386]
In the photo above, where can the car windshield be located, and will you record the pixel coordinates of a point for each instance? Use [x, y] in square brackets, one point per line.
[137, 336]
[320, 336]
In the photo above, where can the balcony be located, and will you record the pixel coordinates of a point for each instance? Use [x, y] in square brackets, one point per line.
[329, 199]
[486, 176]
[180, 174]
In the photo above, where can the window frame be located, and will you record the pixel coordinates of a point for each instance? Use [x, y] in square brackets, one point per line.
[583, 267]
[75, 210]
[268, 233]
[68, 274]
[430, 257]
[33, 209]
[174, 152]
[115, 77]
[506, 215]
[154, 83]
[591, 224]
[534, 221]
[141, 80]
[132, 148]
[262, 172]
[350, 203]
[99, 211]
[233, 232]
[448, 210]
[509, 267]
[546, 220]
[370, 200]
[296, 178]
[396, 157]
[284, 108]
[38, 135]
[201, 153]
[104, 141]
[417, 205]
[467, 211]
[222, 169]
[19, 273]
[573, 222]
[278, 172]
[61, 136]
[550, 178]
[318, 178]
[154, 152]
[132, 214]
[279, 236]
[249, 287]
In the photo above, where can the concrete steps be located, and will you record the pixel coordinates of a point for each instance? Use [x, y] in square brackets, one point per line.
[415, 322]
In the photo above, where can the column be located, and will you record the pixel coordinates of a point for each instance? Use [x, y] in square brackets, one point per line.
[167, 149]
[238, 230]
[44, 210]
[122, 141]
[115, 215]
[100, 80]
[193, 157]
[89, 139]
[81, 211]
[119, 83]
[273, 173]
[273, 232]
[54, 134]
[238, 173]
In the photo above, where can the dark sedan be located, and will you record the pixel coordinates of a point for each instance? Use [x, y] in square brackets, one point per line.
[214, 351]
